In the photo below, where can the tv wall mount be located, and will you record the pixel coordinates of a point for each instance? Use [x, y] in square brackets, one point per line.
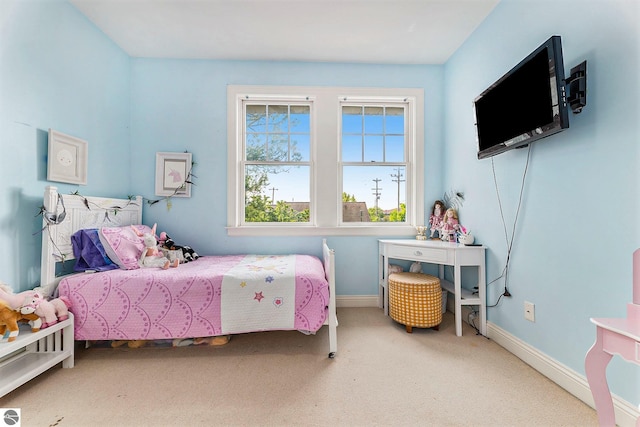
[576, 85]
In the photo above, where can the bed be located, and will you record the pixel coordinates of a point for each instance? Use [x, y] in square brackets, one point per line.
[209, 297]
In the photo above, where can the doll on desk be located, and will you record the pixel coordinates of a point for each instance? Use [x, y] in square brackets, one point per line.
[435, 220]
[450, 226]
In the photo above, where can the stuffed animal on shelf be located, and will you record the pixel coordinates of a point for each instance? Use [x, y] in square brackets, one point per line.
[33, 302]
[15, 301]
[50, 312]
[151, 255]
[394, 268]
[9, 319]
[416, 267]
[465, 237]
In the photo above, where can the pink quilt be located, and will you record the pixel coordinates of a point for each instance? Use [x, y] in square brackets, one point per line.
[182, 302]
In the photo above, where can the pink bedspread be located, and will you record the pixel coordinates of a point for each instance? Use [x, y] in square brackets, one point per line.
[183, 302]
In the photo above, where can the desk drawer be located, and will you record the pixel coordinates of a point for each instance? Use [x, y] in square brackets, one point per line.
[416, 253]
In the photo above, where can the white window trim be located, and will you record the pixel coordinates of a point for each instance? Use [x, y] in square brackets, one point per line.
[325, 218]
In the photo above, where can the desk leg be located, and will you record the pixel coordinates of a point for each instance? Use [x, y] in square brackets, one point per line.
[383, 281]
[595, 364]
[482, 294]
[380, 278]
[457, 286]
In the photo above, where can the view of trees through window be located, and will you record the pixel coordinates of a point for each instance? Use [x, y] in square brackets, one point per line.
[277, 164]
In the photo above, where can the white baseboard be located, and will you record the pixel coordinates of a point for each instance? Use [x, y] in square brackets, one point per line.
[356, 300]
[574, 383]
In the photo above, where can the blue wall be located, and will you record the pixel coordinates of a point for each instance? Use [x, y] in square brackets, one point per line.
[578, 224]
[56, 71]
[180, 105]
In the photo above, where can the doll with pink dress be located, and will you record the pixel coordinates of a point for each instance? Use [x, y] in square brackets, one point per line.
[435, 220]
[450, 225]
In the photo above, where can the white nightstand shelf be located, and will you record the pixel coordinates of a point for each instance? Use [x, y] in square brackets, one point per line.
[32, 353]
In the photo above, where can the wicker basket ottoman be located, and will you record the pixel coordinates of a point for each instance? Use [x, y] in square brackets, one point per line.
[415, 299]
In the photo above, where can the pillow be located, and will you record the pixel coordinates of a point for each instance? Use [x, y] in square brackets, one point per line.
[89, 251]
[123, 245]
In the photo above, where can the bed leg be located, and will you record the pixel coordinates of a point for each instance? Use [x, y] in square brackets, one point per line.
[330, 274]
[333, 335]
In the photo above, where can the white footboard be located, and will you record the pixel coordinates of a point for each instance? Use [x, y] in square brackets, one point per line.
[328, 256]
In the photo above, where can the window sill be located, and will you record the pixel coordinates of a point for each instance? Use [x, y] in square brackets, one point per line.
[400, 231]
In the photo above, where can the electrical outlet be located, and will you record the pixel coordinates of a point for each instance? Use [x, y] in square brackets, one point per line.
[530, 311]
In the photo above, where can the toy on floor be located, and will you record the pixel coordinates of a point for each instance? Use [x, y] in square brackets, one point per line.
[214, 341]
[182, 342]
[129, 343]
[151, 255]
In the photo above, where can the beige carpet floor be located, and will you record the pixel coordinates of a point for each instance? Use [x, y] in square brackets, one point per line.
[381, 376]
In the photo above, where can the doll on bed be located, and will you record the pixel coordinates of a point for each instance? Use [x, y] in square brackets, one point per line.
[151, 255]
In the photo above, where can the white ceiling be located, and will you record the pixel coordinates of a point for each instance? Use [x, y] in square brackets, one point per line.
[361, 31]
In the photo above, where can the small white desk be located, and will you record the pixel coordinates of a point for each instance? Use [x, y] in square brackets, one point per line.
[441, 253]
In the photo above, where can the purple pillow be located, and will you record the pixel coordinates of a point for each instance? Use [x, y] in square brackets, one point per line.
[89, 251]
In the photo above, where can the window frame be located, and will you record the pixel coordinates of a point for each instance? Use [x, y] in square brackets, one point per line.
[278, 100]
[326, 187]
[364, 102]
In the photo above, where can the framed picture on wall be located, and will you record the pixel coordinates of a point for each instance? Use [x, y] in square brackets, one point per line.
[172, 174]
[67, 158]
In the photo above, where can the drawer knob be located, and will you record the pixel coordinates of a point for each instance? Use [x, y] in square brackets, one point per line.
[417, 253]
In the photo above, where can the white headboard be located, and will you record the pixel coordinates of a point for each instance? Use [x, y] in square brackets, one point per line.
[64, 214]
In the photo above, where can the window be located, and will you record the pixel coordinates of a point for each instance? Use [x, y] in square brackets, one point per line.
[325, 161]
[277, 171]
[374, 164]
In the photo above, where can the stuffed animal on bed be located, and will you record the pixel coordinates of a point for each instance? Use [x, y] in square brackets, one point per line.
[151, 255]
[186, 252]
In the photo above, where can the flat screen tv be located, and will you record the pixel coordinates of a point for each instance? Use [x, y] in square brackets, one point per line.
[526, 104]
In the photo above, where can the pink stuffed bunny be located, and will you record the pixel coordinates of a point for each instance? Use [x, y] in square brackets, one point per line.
[151, 255]
[15, 301]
